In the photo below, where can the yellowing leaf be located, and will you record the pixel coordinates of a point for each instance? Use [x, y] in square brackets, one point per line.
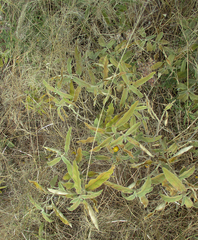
[156, 65]
[78, 59]
[188, 202]
[61, 216]
[76, 94]
[76, 178]
[88, 140]
[187, 173]
[38, 186]
[118, 187]
[91, 195]
[79, 155]
[144, 201]
[158, 179]
[174, 180]
[67, 142]
[100, 130]
[103, 144]
[127, 115]
[95, 183]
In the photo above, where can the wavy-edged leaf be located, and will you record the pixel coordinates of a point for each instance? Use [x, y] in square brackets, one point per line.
[97, 182]
[67, 141]
[126, 116]
[68, 164]
[171, 199]
[81, 83]
[103, 144]
[48, 86]
[76, 178]
[53, 150]
[131, 197]
[174, 180]
[143, 80]
[117, 141]
[138, 165]
[38, 186]
[136, 91]
[187, 173]
[119, 187]
[58, 192]
[54, 161]
[91, 214]
[60, 215]
[146, 188]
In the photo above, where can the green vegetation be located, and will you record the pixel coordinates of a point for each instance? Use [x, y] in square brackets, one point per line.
[99, 112]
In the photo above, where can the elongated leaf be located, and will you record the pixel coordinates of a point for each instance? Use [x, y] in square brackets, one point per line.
[53, 181]
[45, 216]
[69, 166]
[67, 142]
[124, 97]
[76, 94]
[69, 66]
[143, 80]
[187, 174]
[78, 59]
[138, 165]
[91, 195]
[59, 114]
[117, 141]
[158, 179]
[58, 192]
[88, 140]
[171, 199]
[81, 83]
[53, 150]
[38, 186]
[106, 70]
[48, 86]
[136, 91]
[127, 115]
[156, 65]
[75, 205]
[54, 161]
[60, 215]
[133, 129]
[183, 150]
[131, 197]
[119, 187]
[100, 130]
[174, 180]
[146, 188]
[79, 155]
[91, 214]
[76, 178]
[103, 144]
[35, 204]
[95, 183]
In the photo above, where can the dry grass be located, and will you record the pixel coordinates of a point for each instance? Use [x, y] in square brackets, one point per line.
[40, 36]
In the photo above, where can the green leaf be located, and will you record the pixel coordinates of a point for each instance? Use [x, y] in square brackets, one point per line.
[133, 129]
[35, 204]
[91, 195]
[53, 181]
[188, 202]
[78, 59]
[67, 142]
[171, 199]
[143, 80]
[69, 166]
[75, 205]
[81, 83]
[54, 161]
[159, 37]
[187, 173]
[61, 216]
[102, 41]
[103, 144]
[146, 188]
[126, 116]
[58, 192]
[136, 91]
[117, 141]
[144, 201]
[95, 183]
[119, 187]
[69, 66]
[48, 86]
[183, 150]
[174, 180]
[124, 97]
[45, 216]
[76, 178]
[158, 179]
[91, 214]
[131, 197]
